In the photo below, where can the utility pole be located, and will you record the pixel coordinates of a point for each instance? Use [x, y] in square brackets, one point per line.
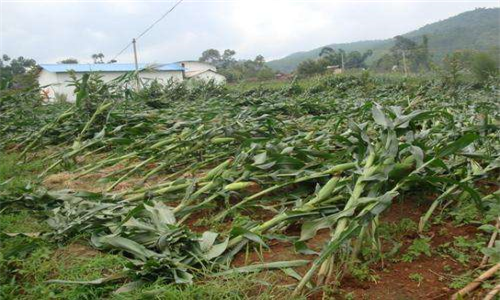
[404, 63]
[136, 64]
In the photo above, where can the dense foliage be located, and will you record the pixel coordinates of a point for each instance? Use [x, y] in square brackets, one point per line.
[17, 73]
[328, 57]
[473, 30]
[343, 148]
[236, 70]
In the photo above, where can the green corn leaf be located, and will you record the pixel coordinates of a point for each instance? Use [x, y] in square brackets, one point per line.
[264, 266]
[457, 145]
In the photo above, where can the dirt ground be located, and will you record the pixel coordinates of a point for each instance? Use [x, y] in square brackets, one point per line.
[392, 279]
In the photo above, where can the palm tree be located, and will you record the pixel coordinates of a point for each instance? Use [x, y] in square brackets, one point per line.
[98, 58]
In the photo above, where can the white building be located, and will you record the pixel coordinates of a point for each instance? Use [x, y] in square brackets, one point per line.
[194, 65]
[201, 71]
[55, 79]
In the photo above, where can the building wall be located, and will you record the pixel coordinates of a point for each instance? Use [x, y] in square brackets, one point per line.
[163, 76]
[191, 66]
[47, 79]
[60, 81]
[208, 76]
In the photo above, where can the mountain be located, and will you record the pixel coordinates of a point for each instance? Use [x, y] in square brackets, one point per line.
[478, 29]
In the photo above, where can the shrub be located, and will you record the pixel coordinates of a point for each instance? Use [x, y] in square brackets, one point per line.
[484, 66]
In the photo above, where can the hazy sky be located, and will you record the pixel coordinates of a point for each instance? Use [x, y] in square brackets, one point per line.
[49, 31]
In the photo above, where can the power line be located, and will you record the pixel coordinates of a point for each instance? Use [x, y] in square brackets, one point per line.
[149, 28]
[161, 18]
[123, 50]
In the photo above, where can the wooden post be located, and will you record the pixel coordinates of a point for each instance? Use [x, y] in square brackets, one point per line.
[136, 64]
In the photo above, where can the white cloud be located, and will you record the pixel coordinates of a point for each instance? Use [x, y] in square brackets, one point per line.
[288, 24]
[51, 30]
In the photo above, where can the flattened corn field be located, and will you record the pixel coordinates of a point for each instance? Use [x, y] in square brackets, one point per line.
[345, 187]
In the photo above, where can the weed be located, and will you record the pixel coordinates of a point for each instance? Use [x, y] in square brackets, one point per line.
[417, 277]
[362, 272]
[418, 247]
[464, 213]
[397, 230]
[459, 282]
[461, 249]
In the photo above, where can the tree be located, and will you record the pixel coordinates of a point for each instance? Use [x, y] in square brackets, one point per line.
[329, 57]
[260, 60]
[417, 56]
[17, 66]
[265, 73]
[356, 60]
[235, 70]
[310, 67]
[211, 56]
[18, 72]
[227, 59]
[98, 58]
[326, 51]
[69, 61]
[425, 51]
[367, 53]
[352, 60]
[402, 44]
[386, 62]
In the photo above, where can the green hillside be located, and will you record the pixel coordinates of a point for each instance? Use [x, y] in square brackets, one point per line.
[478, 29]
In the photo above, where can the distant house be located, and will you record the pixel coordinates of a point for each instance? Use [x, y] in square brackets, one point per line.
[201, 71]
[56, 77]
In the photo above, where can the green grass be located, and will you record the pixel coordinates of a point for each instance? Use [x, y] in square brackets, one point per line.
[26, 278]
[15, 174]
[253, 286]
[21, 221]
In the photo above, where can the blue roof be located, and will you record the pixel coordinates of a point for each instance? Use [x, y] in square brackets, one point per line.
[115, 67]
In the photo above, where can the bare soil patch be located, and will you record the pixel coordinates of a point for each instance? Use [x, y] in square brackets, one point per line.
[393, 279]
